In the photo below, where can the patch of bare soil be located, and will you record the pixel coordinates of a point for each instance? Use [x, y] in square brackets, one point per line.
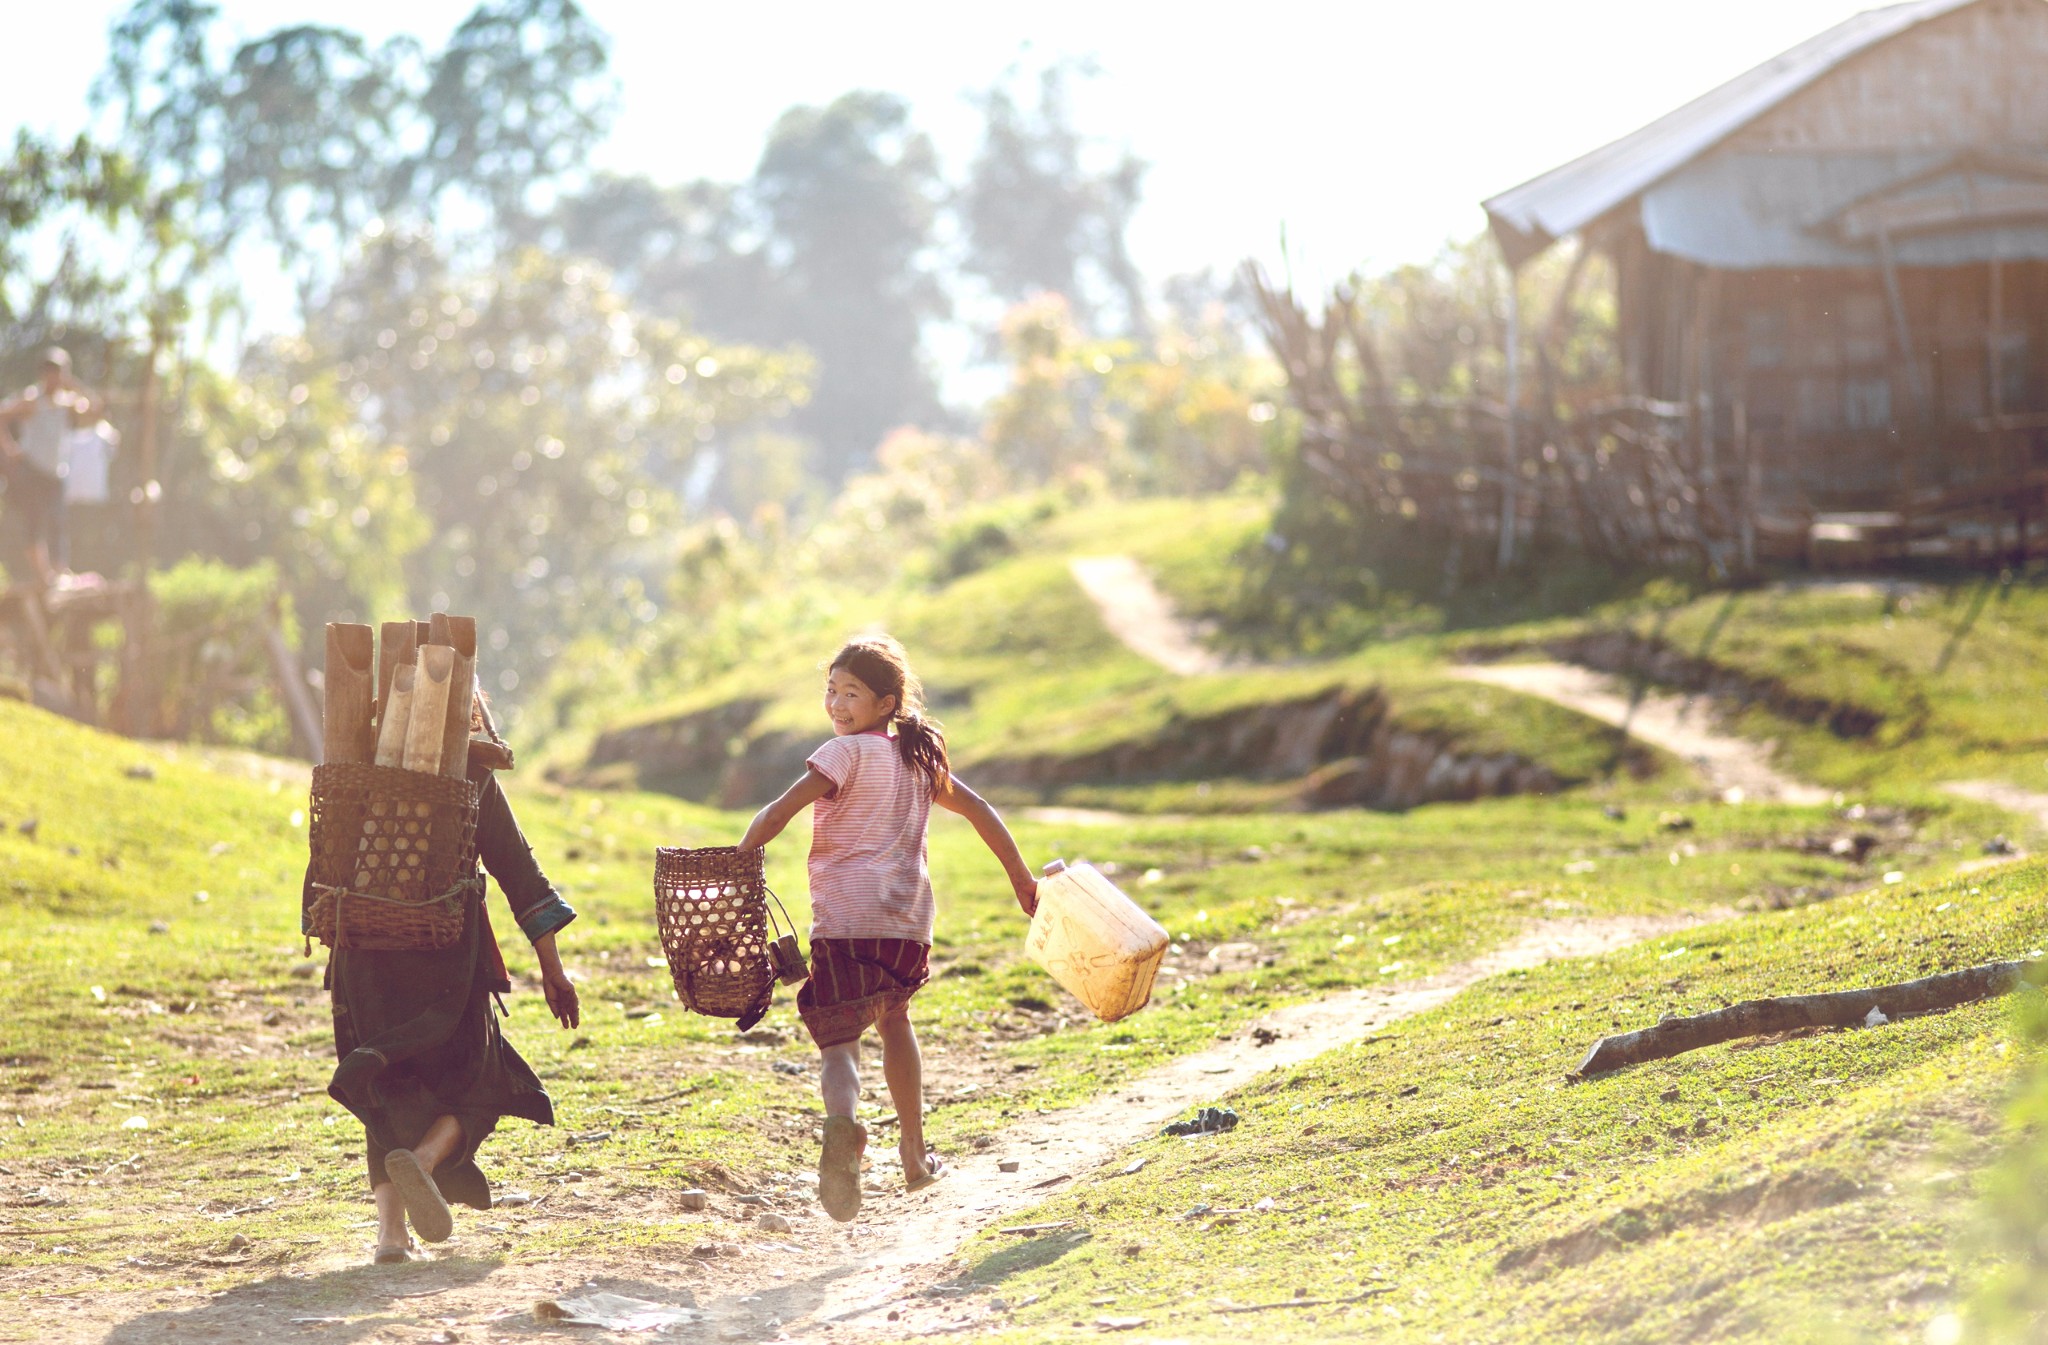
[1681, 725]
[767, 1262]
[1764, 1201]
[1138, 614]
[1998, 794]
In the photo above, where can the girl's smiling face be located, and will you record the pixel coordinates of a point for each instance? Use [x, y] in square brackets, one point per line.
[853, 705]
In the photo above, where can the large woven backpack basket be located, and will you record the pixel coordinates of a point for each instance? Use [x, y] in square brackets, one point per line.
[711, 907]
[393, 857]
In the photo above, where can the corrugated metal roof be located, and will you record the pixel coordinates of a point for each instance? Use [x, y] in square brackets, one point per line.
[1744, 212]
[1529, 218]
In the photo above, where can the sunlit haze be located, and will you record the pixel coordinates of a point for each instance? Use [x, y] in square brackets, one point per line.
[1369, 131]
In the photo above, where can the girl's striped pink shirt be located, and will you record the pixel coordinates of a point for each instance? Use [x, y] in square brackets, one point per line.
[869, 876]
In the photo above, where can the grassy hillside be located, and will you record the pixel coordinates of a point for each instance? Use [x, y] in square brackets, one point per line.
[1892, 684]
[158, 1078]
[1815, 1188]
[1020, 666]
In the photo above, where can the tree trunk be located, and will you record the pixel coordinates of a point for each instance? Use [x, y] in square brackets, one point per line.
[1845, 1008]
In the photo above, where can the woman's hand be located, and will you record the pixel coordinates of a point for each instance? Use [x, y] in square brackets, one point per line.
[1027, 895]
[561, 993]
[555, 982]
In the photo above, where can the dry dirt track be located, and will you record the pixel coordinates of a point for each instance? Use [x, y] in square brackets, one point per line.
[1138, 614]
[2001, 795]
[822, 1281]
[1678, 724]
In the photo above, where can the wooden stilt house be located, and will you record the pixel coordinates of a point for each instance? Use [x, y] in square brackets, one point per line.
[1837, 264]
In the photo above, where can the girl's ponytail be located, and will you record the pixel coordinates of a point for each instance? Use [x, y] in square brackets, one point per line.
[922, 744]
[881, 663]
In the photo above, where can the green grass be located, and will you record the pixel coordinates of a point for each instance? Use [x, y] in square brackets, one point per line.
[1813, 1188]
[1813, 1192]
[1018, 663]
[1951, 668]
[214, 1031]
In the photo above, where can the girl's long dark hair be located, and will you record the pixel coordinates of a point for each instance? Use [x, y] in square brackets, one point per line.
[880, 663]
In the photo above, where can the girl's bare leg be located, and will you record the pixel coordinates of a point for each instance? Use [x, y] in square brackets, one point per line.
[903, 1068]
[839, 1078]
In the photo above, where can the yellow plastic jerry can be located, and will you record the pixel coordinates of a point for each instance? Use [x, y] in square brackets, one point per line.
[1095, 941]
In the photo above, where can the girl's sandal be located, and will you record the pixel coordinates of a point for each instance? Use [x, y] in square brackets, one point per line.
[392, 1253]
[422, 1199]
[934, 1168]
[839, 1167]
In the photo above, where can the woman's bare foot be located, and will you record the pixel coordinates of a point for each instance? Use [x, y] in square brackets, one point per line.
[429, 1213]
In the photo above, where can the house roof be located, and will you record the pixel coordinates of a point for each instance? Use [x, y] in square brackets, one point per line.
[1529, 218]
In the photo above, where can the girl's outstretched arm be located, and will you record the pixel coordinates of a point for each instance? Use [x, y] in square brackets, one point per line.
[769, 822]
[956, 797]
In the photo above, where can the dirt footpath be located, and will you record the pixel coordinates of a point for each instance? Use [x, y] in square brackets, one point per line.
[1137, 613]
[2001, 795]
[1681, 725]
[884, 1277]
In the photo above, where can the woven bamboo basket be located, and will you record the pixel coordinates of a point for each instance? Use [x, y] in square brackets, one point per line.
[394, 857]
[711, 906]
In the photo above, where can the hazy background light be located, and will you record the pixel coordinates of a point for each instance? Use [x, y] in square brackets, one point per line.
[1371, 130]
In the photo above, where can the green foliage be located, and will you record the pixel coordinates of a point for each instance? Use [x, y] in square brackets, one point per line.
[42, 183]
[1040, 215]
[275, 470]
[1183, 412]
[544, 426]
[209, 667]
[2011, 1305]
[308, 133]
[1425, 358]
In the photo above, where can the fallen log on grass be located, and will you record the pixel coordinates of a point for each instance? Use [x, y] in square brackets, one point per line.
[1789, 1013]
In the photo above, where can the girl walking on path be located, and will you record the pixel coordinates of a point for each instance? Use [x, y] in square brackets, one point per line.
[423, 1064]
[872, 787]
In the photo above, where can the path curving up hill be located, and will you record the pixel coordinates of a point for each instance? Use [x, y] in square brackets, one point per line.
[1678, 724]
[1138, 614]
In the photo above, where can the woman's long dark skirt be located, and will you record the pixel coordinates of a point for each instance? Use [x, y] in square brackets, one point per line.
[429, 1014]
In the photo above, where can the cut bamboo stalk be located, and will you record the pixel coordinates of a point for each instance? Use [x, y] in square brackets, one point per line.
[430, 690]
[397, 717]
[395, 651]
[459, 633]
[351, 685]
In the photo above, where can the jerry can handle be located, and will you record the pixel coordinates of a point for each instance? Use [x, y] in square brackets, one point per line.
[1057, 866]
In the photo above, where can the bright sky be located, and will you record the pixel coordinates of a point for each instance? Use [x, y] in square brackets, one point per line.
[1369, 129]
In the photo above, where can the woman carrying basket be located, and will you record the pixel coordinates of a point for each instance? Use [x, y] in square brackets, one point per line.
[872, 787]
[423, 1064]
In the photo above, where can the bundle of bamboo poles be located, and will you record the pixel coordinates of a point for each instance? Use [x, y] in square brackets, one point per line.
[404, 699]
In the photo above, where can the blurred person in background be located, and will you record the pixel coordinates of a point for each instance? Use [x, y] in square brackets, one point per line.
[35, 433]
[91, 532]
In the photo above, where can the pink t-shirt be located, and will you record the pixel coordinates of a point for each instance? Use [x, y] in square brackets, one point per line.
[869, 879]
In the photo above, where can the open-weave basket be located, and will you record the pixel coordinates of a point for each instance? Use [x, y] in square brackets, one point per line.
[394, 857]
[711, 906]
